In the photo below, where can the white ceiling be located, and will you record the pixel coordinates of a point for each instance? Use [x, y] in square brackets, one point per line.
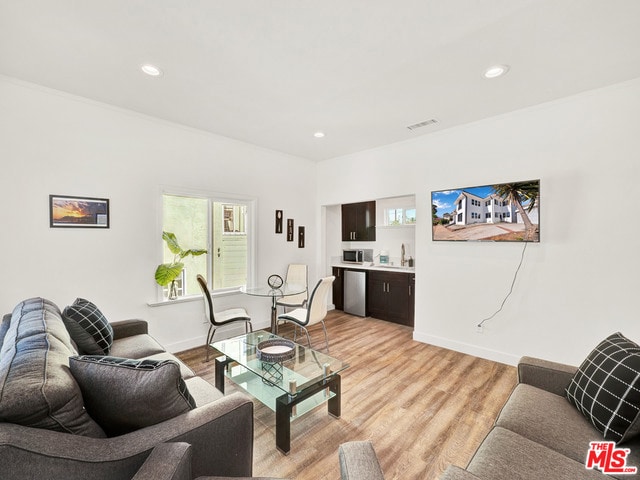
[273, 72]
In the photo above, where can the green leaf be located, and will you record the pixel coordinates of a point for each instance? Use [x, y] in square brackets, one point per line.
[167, 272]
[193, 251]
[172, 242]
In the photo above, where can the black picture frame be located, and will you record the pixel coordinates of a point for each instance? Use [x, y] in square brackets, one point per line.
[278, 221]
[300, 237]
[67, 211]
[289, 229]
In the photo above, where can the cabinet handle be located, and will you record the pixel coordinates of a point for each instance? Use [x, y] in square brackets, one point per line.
[409, 290]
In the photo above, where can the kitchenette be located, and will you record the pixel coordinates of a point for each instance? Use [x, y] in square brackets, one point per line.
[375, 265]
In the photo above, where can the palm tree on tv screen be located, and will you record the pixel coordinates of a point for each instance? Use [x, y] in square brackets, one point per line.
[519, 193]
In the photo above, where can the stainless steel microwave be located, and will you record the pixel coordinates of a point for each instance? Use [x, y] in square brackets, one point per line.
[353, 256]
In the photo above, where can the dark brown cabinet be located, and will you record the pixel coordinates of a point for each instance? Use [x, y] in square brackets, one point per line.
[338, 288]
[359, 222]
[390, 296]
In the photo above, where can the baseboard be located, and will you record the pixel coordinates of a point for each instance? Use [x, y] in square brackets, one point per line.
[475, 350]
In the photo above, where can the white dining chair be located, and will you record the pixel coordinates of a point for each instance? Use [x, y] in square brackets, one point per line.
[297, 274]
[315, 311]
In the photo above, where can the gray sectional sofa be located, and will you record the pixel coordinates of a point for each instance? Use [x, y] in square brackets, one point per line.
[49, 428]
[539, 434]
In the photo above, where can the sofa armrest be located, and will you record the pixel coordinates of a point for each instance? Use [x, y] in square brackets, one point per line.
[550, 376]
[129, 328]
[358, 461]
[169, 461]
[220, 433]
[456, 473]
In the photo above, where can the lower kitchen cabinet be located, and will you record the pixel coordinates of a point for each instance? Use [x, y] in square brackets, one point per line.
[390, 296]
[338, 288]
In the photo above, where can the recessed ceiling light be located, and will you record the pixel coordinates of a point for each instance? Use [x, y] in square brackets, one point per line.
[318, 134]
[496, 71]
[151, 70]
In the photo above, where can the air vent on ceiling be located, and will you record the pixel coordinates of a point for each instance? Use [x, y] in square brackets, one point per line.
[415, 126]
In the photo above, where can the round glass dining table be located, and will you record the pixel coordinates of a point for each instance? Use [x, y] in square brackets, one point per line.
[275, 293]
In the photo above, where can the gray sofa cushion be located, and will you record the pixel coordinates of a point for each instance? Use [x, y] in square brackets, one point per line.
[606, 388]
[123, 395]
[136, 346]
[36, 386]
[88, 327]
[505, 455]
[202, 391]
[358, 461]
[549, 420]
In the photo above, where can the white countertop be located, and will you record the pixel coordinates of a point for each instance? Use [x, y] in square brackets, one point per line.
[375, 266]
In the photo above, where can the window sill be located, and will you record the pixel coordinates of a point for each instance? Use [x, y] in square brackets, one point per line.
[192, 298]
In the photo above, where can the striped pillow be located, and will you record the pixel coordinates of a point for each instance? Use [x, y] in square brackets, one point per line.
[88, 327]
[606, 388]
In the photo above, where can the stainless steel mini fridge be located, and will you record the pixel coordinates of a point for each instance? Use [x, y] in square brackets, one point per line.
[355, 292]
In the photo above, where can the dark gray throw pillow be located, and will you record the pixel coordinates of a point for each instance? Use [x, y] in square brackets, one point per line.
[88, 327]
[606, 388]
[123, 395]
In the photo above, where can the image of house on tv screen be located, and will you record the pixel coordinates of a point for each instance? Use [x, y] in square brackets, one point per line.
[505, 212]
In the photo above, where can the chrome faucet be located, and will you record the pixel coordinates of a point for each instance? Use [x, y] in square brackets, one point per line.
[402, 260]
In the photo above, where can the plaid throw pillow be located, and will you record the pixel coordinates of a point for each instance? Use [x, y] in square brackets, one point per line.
[88, 327]
[606, 388]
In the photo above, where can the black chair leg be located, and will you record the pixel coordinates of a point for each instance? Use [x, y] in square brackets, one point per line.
[210, 334]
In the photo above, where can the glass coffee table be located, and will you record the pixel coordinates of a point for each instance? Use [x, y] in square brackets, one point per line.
[290, 388]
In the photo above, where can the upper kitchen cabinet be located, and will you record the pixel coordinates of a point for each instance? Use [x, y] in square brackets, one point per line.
[359, 222]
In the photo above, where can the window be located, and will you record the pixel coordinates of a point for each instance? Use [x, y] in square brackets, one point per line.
[221, 225]
[400, 216]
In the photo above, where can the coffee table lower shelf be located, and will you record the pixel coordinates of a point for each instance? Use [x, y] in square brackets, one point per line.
[287, 406]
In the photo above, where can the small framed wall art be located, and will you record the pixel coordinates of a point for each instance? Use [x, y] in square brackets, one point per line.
[289, 229]
[78, 212]
[300, 237]
[278, 221]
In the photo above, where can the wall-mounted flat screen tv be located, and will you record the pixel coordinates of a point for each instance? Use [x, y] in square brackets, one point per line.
[505, 212]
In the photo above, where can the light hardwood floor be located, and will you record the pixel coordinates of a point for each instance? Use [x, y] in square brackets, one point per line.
[423, 407]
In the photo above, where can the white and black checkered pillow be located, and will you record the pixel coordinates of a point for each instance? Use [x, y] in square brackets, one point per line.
[88, 327]
[606, 388]
[123, 395]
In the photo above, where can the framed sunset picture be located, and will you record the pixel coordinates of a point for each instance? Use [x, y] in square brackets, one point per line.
[78, 212]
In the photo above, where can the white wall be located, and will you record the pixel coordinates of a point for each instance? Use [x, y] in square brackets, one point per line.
[576, 286]
[53, 143]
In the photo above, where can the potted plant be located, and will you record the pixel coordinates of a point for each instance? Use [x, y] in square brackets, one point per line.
[166, 273]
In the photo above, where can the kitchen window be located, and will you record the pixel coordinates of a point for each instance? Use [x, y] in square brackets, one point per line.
[400, 216]
[218, 223]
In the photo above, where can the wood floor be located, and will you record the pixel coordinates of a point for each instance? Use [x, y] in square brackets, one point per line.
[422, 406]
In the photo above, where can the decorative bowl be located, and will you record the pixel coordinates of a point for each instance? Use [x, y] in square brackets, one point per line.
[276, 350]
